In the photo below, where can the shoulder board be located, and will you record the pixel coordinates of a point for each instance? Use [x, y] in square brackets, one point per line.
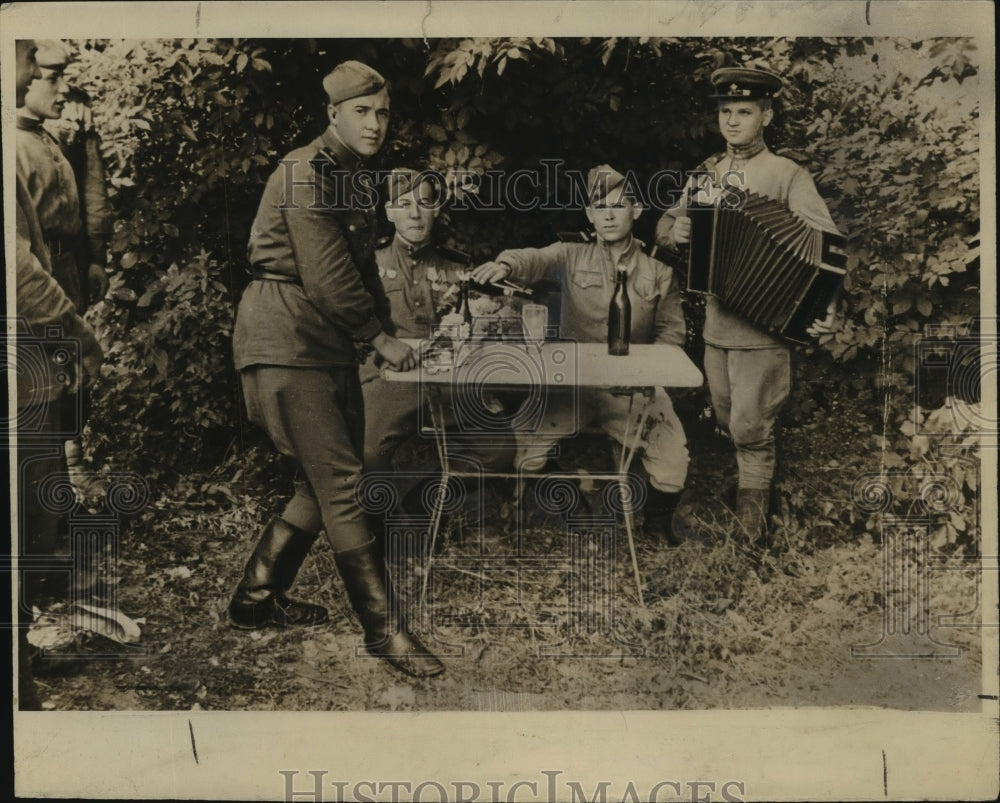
[712, 160]
[382, 242]
[329, 155]
[454, 254]
[668, 256]
[576, 236]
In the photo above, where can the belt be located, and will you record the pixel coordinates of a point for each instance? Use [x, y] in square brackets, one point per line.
[60, 245]
[268, 276]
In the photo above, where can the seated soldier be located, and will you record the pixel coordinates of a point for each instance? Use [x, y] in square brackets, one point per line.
[422, 282]
[587, 271]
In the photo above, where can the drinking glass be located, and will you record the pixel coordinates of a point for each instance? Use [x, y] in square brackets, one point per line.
[535, 318]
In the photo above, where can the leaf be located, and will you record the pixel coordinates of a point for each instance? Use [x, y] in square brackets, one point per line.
[129, 258]
[146, 298]
[126, 294]
[188, 132]
[241, 62]
[925, 307]
[850, 186]
[436, 132]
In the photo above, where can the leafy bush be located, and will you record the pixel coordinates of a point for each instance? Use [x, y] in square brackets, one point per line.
[192, 128]
[167, 388]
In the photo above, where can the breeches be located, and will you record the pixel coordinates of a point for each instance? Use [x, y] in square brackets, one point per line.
[749, 387]
[43, 493]
[664, 449]
[316, 419]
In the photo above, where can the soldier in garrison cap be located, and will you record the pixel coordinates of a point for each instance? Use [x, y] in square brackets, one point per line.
[585, 268]
[316, 304]
[42, 306]
[748, 370]
[422, 281]
[58, 195]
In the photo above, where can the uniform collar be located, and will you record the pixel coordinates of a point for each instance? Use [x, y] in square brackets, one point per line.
[404, 246]
[28, 123]
[627, 259]
[745, 153]
[345, 156]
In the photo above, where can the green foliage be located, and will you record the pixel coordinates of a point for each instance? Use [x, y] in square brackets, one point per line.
[192, 128]
[168, 381]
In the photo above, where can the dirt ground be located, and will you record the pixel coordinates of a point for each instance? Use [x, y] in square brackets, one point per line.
[542, 613]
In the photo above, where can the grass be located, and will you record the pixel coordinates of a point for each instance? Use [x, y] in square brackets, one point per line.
[543, 617]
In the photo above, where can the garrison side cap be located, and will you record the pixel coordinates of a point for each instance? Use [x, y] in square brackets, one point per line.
[745, 83]
[51, 54]
[404, 179]
[351, 79]
[601, 180]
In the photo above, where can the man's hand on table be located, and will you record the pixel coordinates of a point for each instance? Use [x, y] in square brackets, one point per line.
[397, 354]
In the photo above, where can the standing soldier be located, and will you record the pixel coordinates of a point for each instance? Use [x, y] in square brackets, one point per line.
[315, 303]
[748, 370]
[41, 382]
[55, 191]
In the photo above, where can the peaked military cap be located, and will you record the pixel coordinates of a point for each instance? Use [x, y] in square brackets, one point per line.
[51, 54]
[352, 79]
[404, 179]
[601, 180]
[744, 83]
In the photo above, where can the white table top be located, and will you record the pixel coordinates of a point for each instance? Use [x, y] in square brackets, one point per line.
[560, 364]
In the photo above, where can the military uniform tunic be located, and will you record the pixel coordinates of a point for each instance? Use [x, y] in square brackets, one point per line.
[50, 184]
[299, 328]
[749, 370]
[586, 273]
[421, 283]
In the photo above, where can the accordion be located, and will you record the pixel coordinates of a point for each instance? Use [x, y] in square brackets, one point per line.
[765, 264]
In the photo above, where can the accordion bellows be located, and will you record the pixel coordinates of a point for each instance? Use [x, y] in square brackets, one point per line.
[766, 264]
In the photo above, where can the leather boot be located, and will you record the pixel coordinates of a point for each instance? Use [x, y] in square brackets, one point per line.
[373, 599]
[659, 516]
[751, 512]
[260, 599]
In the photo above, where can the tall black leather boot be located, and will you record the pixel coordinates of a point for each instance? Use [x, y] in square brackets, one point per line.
[659, 516]
[751, 512]
[260, 599]
[371, 594]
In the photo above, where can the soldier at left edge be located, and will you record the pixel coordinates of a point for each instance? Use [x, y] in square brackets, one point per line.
[57, 354]
[71, 203]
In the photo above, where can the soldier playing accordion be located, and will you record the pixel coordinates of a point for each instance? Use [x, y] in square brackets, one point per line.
[748, 369]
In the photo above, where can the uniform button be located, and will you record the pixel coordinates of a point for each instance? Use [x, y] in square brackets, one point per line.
[352, 227]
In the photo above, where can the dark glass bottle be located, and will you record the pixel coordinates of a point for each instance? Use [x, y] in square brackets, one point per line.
[619, 317]
[462, 305]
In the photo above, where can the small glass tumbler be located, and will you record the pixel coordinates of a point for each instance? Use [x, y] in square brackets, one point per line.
[535, 318]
